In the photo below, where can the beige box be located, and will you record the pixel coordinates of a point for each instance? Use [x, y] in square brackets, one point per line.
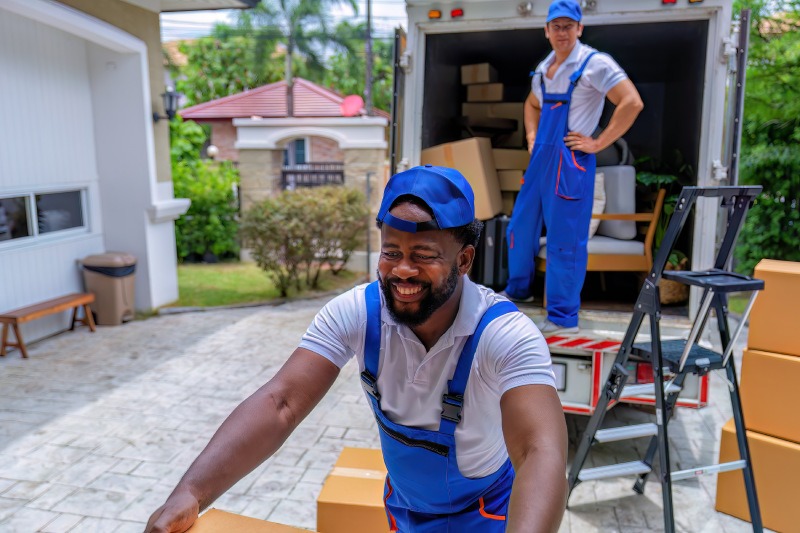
[216, 521]
[473, 158]
[510, 110]
[508, 202]
[770, 393]
[776, 466]
[351, 500]
[775, 321]
[485, 92]
[510, 180]
[510, 159]
[478, 73]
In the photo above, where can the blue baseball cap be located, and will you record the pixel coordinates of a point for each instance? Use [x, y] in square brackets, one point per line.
[564, 8]
[445, 190]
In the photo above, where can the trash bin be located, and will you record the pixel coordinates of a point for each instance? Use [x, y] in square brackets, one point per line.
[109, 277]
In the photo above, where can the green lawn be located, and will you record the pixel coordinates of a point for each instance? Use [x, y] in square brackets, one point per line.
[207, 285]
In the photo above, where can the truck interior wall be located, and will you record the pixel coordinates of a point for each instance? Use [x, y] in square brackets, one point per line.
[666, 61]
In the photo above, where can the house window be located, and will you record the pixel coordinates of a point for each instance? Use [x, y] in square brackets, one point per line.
[35, 214]
[296, 153]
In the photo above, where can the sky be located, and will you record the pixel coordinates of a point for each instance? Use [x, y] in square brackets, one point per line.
[386, 15]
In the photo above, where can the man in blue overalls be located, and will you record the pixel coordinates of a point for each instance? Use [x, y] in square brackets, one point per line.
[568, 92]
[460, 383]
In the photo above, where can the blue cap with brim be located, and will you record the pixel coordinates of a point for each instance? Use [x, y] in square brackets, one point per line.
[564, 8]
[445, 190]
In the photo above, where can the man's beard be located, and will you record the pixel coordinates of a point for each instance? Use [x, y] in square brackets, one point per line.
[435, 298]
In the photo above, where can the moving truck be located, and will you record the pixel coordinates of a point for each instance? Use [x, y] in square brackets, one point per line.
[680, 54]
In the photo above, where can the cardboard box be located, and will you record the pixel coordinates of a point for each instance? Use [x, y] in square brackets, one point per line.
[770, 393]
[485, 92]
[776, 464]
[510, 110]
[510, 180]
[508, 202]
[774, 321]
[478, 73]
[351, 500]
[216, 521]
[473, 158]
[511, 159]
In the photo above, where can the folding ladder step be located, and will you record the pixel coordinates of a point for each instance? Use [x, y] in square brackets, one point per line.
[647, 388]
[710, 469]
[626, 432]
[715, 279]
[633, 468]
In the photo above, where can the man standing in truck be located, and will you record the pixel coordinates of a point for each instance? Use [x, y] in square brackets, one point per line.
[568, 92]
[460, 383]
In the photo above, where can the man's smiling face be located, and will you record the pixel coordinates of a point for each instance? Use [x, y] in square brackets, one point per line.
[418, 272]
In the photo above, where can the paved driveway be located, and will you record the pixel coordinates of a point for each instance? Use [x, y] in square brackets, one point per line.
[95, 429]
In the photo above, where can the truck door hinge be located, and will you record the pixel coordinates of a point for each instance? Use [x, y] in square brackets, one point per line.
[402, 165]
[405, 62]
[719, 171]
[589, 5]
[728, 50]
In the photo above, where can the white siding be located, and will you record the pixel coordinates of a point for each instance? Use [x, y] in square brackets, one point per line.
[47, 142]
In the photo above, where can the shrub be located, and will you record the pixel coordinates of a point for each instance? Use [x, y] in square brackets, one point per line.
[296, 234]
[210, 225]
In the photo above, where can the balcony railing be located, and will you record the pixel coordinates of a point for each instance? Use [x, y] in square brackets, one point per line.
[312, 175]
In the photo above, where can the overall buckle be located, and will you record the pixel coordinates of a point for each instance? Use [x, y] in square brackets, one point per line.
[451, 407]
[370, 385]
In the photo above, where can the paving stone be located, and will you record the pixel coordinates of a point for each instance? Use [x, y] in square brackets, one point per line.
[27, 519]
[96, 503]
[53, 494]
[63, 522]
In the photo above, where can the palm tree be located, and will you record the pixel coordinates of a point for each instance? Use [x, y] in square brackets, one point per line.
[302, 26]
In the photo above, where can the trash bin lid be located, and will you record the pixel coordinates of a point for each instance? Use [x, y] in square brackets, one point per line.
[109, 259]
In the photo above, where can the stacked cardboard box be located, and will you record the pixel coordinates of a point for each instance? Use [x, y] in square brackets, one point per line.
[351, 500]
[216, 521]
[510, 165]
[770, 396]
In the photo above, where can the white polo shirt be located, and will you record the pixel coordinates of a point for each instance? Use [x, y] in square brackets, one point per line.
[602, 73]
[412, 380]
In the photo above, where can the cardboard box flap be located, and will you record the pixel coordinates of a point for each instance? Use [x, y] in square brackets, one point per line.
[216, 521]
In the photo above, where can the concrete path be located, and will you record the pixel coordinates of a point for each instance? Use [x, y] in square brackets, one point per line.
[96, 429]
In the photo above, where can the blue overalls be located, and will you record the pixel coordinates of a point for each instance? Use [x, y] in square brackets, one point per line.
[425, 491]
[557, 189]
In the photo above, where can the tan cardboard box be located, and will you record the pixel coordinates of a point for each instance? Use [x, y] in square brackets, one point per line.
[511, 110]
[510, 180]
[508, 202]
[473, 158]
[770, 392]
[478, 73]
[351, 500]
[511, 159]
[776, 464]
[485, 92]
[774, 321]
[216, 521]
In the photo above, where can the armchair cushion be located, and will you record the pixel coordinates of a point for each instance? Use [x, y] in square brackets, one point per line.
[599, 203]
[620, 187]
[600, 244]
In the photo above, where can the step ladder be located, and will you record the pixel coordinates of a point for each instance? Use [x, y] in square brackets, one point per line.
[673, 360]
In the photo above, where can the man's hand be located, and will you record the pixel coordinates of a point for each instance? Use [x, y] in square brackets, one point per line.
[584, 143]
[175, 516]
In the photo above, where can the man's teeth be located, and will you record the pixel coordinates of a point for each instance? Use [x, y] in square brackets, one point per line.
[407, 291]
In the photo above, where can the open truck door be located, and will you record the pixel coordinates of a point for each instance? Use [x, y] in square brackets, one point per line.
[396, 130]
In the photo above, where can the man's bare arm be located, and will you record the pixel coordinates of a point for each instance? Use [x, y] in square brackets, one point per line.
[629, 104]
[531, 113]
[251, 433]
[536, 437]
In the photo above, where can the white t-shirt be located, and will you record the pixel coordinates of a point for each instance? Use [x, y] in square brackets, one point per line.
[601, 74]
[411, 380]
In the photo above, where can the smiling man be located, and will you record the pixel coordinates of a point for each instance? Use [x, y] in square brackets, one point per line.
[568, 92]
[460, 383]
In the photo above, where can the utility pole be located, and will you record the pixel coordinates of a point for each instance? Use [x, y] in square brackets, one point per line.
[368, 62]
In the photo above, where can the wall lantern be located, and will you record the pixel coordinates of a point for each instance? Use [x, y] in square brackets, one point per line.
[170, 105]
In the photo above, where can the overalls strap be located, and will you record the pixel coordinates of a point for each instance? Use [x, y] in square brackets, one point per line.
[573, 80]
[453, 401]
[372, 341]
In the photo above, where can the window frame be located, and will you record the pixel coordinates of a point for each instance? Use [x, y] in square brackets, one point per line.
[35, 236]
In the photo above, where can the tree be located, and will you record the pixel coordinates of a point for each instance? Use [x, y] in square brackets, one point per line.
[302, 26]
[347, 73]
[771, 130]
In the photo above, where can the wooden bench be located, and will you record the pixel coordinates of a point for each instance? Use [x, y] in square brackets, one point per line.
[32, 312]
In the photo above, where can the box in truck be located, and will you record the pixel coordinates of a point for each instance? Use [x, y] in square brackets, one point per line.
[677, 56]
